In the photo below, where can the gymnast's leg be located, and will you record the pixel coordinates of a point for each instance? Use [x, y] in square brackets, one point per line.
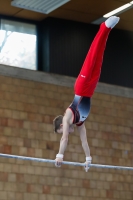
[90, 71]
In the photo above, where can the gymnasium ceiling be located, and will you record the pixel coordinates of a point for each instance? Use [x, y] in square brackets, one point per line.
[85, 11]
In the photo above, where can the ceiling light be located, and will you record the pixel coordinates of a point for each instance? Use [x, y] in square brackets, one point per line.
[41, 6]
[114, 12]
[119, 10]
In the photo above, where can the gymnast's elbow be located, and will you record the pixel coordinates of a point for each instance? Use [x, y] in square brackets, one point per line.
[64, 138]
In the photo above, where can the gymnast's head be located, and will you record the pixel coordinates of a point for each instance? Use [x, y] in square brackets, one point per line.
[58, 125]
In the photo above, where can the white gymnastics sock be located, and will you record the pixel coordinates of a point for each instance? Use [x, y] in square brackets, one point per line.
[112, 21]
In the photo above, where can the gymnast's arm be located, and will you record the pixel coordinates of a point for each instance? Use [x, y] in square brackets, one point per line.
[82, 131]
[64, 138]
[83, 137]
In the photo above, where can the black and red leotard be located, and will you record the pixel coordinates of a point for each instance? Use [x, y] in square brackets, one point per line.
[80, 108]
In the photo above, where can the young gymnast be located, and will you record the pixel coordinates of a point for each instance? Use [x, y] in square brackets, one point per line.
[85, 85]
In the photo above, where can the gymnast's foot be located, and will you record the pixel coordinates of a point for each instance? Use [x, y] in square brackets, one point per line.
[112, 21]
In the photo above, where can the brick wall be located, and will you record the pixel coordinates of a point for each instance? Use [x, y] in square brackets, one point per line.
[27, 109]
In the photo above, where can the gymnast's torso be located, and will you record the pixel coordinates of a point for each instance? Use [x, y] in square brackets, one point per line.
[80, 108]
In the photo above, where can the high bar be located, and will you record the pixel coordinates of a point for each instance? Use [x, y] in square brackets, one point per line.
[65, 162]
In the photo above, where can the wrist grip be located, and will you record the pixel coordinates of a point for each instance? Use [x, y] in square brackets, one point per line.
[89, 158]
[59, 156]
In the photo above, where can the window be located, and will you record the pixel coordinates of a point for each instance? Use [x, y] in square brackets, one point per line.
[18, 44]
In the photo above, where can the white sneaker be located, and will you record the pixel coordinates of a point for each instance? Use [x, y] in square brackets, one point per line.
[112, 21]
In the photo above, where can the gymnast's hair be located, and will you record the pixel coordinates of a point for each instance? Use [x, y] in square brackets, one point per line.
[57, 122]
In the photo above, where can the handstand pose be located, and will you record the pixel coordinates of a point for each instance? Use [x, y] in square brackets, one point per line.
[85, 85]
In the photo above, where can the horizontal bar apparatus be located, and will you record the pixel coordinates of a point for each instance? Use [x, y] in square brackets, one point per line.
[65, 162]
